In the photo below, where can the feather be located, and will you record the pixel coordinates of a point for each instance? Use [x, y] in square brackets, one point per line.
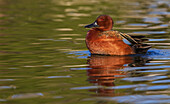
[128, 38]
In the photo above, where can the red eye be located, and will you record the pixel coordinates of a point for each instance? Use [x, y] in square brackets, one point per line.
[102, 19]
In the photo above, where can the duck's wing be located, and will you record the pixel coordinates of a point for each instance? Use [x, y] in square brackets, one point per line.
[128, 39]
[139, 38]
[136, 42]
[124, 37]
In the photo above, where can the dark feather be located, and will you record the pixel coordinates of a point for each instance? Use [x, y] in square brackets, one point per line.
[137, 43]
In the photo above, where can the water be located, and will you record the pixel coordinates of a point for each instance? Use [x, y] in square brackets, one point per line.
[44, 60]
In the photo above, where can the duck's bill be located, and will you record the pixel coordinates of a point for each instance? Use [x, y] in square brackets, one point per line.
[92, 25]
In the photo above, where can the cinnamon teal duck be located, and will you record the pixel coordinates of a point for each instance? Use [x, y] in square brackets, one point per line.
[101, 39]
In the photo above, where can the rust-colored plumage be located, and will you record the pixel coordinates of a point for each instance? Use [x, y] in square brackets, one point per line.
[103, 40]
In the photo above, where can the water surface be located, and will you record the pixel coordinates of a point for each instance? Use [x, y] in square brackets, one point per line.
[44, 59]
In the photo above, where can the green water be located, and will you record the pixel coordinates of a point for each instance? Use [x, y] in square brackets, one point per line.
[44, 59]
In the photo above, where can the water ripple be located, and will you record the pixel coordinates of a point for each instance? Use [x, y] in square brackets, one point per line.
[7, 87]
[151, 32]
[161, 81]
[140, 99]
[3, 100]
[7, 79]
[59, 76]
[152, 20]
[26, 95]
[127, 86]
[80, 68]
[144, 78]
[85, 87]
[156, 87]
[158, 53]
[153, 71]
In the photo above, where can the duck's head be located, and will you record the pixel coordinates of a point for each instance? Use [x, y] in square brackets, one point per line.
[103, 23]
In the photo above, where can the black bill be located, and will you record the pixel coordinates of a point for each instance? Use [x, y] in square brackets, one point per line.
[94, 24]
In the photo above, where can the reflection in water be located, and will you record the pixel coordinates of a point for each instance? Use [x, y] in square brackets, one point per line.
[105, 69]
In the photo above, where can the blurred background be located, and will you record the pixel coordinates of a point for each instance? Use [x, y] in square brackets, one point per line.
[44, 59]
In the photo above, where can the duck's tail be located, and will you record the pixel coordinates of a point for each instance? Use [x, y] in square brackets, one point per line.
[140, 47]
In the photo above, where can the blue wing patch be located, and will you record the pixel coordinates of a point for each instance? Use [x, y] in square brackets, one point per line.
[126, 41]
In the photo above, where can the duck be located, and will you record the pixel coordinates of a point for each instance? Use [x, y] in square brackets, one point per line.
[101, 39]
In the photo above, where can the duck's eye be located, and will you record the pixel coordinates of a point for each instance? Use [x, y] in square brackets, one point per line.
[101, 19]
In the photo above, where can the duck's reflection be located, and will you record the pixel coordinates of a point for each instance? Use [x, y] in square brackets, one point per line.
[105, 69]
